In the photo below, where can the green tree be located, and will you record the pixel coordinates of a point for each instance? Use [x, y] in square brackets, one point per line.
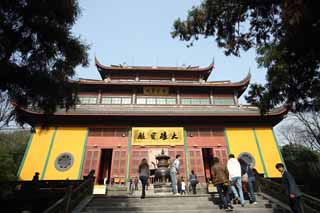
[39, 53]
[303, 164]
[285, 35]
[12, 148]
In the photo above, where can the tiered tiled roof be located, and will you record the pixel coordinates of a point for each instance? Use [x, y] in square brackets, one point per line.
[124, 68]
[239, 86]
[140, 114]
[162, 110]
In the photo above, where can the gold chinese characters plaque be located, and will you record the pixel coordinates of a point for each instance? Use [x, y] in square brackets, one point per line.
[157, 136]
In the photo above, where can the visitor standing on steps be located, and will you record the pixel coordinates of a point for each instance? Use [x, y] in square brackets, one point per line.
[234, 170]
[193, 181]
[183, 186]
[174, 170]
[251, 180]
[291, 188]
[220, 178]
[144, 173]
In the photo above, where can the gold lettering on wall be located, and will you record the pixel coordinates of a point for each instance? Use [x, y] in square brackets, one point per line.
[157, 136]
[156, 91]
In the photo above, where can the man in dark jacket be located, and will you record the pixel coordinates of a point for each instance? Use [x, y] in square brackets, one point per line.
[291, 187]
[220, 178]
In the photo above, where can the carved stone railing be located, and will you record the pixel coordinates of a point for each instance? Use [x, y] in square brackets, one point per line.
[276, 190]
[73, 196]
[311, 204]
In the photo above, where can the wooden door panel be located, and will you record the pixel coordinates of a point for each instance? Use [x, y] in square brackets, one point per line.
[196, 163]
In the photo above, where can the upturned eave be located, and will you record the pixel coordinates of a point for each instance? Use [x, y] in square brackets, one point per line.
[103, 69]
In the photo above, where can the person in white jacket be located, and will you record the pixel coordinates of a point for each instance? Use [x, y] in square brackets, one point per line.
[234, 170]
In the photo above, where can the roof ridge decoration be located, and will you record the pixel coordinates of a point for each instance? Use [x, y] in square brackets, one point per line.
[115, 68]
[245, 81]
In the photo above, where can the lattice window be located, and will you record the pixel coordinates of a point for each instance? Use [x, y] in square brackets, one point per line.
[116, 100]
[192, 132]
[204, 131]
[156, 101]
[223, 101]
[108, 132]
[195, 132]
[217, 131]
[171, 100]
[195, 101]
[95, 132]
[151, 101]
[88, 100]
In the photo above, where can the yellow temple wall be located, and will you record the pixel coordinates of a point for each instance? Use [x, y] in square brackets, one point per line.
[46, 146]
[36, 153]
[270, 152]
[260, 143]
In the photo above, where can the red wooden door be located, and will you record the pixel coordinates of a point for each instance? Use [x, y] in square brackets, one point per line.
[91, 162]
[196, 164]
[222, 154]
[119, 165]
[136, 157]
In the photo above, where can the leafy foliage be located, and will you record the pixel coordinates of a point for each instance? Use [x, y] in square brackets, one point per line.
[38, 52]
[303, 164]
[12, 147]
[299, 153]
[285, 34]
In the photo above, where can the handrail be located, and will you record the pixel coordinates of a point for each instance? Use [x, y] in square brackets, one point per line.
[73, 196]
[310, 204]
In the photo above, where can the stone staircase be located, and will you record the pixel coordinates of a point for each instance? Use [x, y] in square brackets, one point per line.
[168, 203]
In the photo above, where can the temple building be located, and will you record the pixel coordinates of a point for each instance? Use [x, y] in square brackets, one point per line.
[135, 112]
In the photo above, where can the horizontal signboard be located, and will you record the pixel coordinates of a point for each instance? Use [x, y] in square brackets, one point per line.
[157, 136]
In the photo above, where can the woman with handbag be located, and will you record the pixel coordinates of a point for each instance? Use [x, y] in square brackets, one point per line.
[220, 178]
[193, 181]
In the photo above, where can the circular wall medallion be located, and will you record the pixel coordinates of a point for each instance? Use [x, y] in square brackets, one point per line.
[64, 161]
[248, 158]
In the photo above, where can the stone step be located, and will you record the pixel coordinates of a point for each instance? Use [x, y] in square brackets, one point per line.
[155, 200]
[243, 210]
[180, 207]
[177, 209]
[160, 202]
[164, 196]
[201, 203]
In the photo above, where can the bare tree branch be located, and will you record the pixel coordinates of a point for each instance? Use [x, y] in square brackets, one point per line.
[307, 127]
[302, 128]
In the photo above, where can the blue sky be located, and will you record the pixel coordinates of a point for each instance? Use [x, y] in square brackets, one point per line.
[138, 33]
